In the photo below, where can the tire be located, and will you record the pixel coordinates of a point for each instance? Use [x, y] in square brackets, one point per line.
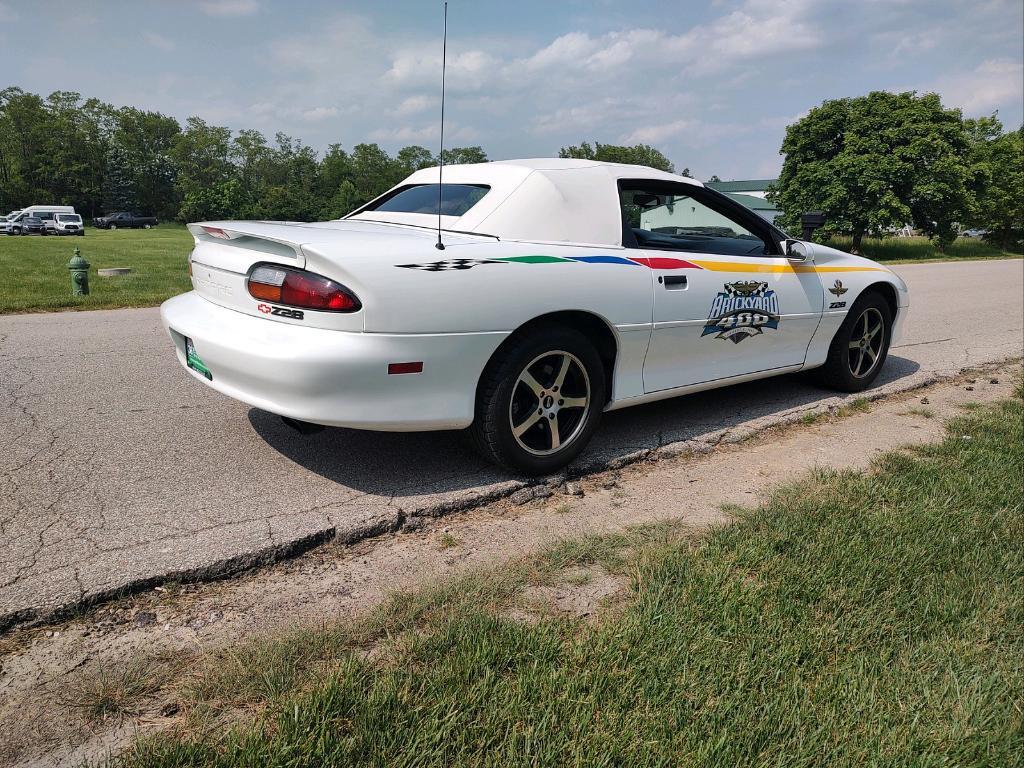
[520, 387]
[147, 226]
[857, 355]
[112, 226]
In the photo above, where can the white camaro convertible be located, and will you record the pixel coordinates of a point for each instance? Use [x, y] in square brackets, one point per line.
[564, 288]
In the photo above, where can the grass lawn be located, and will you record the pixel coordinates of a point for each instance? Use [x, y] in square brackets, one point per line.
[914, 249]
[37, 278]
[854, 619]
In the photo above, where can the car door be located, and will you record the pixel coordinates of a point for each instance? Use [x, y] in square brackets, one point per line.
[726, 302]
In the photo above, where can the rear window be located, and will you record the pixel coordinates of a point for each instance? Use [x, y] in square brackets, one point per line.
[456, 199]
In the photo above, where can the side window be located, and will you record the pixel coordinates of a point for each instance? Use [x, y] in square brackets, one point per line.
[670, 218]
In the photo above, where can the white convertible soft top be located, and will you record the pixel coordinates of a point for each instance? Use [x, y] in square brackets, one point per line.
[541, 200]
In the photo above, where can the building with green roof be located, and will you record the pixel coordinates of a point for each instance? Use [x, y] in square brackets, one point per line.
[749, 193]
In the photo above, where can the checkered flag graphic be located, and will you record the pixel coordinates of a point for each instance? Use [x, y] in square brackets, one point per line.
[746, 289]
[447, 264]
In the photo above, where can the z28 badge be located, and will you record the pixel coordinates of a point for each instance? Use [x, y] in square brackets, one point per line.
[294, 314]
[741, 310]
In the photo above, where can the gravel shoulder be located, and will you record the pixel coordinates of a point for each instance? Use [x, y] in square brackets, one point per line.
[42, 668]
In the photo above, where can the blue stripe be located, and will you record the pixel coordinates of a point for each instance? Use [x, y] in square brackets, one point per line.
[603, 260]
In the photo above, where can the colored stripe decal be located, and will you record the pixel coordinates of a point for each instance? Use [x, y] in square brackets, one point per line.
[669, 263]
[604, 260]
[535, 259]
[732, 266]
[664, 262]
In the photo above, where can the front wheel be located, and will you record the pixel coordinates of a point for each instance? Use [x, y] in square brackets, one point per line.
[112, 226]
[539, 401]
[860, 345]
[147, 226]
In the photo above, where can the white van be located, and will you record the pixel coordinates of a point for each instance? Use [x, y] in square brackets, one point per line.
[45, 212]
[66, 224]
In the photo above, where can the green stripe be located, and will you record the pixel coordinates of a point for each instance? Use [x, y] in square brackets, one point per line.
[533, 259]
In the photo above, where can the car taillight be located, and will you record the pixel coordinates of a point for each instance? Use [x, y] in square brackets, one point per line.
[296, 288]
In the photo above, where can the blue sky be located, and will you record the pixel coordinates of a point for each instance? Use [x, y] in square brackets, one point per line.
[712, 84]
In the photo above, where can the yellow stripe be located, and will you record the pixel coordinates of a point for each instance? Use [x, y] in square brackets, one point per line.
[733, 266]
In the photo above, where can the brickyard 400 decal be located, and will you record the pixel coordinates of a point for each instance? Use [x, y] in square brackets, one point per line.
[741, 310]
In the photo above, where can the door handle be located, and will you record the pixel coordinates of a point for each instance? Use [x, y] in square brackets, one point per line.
[675, 282]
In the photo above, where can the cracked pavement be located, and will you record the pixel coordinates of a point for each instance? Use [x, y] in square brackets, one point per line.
[119, 471]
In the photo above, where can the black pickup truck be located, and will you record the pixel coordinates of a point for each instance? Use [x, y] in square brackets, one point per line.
[124, 220]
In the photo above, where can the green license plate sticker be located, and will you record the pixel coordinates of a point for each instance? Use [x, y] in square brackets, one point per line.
[194, 361]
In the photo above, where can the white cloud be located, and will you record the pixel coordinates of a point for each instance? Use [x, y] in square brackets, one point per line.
[318, 113]
[229, 7]
[158, 41]
[427, 134]
[414, 104]
[993, 84]
[421, 65]
[656, 134]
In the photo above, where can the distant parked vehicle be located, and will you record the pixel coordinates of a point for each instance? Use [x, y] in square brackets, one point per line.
[66, 224]
[44, 212]
[27, 225]
[974, 233]
[125, 220]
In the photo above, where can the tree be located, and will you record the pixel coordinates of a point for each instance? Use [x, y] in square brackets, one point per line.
[118, 181]
[464, 155]
[412, 159]
[998, 168]
[373, 171]
[638, 154]
[877, 162]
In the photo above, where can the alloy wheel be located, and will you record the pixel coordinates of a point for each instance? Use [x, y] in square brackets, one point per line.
[866, 342]
[550, 403]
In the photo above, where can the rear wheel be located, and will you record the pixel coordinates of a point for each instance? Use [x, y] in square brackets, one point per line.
[539, 401]
[147, 226]
[860, 345]
[112, 226]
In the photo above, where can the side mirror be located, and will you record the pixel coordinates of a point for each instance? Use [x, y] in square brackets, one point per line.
[797, 250]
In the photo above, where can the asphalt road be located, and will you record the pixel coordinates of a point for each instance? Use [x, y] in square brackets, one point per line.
[119, 470]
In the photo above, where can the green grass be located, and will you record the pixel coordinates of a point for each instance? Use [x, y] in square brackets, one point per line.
[914, 249]
[854, 619]
[37, 278]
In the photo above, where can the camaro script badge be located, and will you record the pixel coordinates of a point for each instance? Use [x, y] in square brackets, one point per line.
[741, 310]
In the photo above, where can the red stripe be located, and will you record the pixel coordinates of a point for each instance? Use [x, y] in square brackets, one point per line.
[664, 262]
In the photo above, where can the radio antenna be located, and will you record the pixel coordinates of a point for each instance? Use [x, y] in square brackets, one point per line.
[440, 157]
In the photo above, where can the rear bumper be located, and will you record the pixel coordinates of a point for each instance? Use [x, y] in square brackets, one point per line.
[336, 378]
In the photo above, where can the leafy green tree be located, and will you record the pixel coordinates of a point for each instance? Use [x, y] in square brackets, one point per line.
[373, 171]
[411, 159]
[875, 163]
[638, 154]
[998, 167]
[118, 181]
[463, 156]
